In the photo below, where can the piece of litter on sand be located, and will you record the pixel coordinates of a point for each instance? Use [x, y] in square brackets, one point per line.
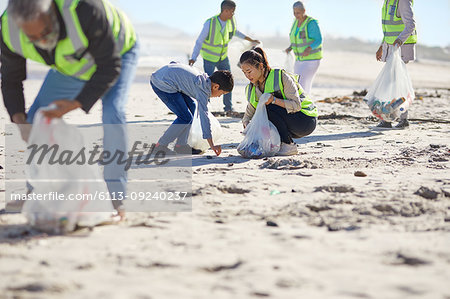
[427, 193]
[402, 259]
[138, 115]
[274, 192]
[219, 268]
[360, 174]
[304, 174]
[271, 223]
[335, 189]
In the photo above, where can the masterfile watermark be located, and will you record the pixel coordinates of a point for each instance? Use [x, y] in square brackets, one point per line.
[126, 166]
[96, 155]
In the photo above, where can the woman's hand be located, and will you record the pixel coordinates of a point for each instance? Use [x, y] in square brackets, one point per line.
[307, 51]
[271, 100]
[289, 49]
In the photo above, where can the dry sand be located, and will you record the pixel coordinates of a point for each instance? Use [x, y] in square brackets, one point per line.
[307, 226]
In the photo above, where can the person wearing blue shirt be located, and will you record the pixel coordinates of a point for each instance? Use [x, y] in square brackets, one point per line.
[306, 42]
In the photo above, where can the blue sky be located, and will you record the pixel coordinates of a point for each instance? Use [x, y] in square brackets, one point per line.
[346, 18]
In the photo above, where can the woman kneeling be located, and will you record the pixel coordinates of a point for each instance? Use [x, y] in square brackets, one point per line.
[289, 108]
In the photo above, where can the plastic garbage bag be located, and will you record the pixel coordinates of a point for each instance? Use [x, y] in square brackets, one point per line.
[261, 136]
[195, 139]
[392, 93]
[289, 62]
[68, 181]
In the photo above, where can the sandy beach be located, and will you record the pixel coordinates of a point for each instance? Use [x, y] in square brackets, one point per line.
[358, 213]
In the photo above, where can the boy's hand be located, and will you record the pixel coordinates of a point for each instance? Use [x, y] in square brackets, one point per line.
[217, 149]
[191, 62]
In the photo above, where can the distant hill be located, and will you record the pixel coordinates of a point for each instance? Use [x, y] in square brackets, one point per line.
[331, 43]
[358, 45]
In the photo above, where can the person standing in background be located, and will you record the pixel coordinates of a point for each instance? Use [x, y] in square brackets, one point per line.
[212, 44]
[306, 41]
[399, 30]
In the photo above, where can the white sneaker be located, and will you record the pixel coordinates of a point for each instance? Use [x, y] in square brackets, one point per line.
[287, 149]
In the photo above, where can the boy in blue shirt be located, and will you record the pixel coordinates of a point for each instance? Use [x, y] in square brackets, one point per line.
[176, 85]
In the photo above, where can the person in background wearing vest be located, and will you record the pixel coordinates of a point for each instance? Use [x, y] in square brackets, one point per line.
[176, 84]
[306, 41]
[399, 29]
[92, 51]
[212, 44]
[289, 108]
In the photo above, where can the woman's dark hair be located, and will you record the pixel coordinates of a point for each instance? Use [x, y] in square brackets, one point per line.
[224, 79]
[255, 57]
[227, 4]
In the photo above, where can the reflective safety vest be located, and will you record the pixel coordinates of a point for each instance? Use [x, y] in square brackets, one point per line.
[393, 24]
[71, 56]
[215, 46]
[301, 41]
[274, 85]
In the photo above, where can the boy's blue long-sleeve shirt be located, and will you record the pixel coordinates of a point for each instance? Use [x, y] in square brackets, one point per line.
[176, 77]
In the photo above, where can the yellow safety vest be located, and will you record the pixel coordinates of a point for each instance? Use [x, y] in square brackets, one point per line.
[393, 24]
[301, 40]
[71, 57]
[274, 85]
[215, 46]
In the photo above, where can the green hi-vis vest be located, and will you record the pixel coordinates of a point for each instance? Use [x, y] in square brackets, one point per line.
[71, 57]
[274, 85]
[393, 24]
[215, 46]
[301, 41]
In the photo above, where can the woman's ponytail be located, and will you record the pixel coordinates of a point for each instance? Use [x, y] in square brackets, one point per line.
[255, 57]
[261, 52]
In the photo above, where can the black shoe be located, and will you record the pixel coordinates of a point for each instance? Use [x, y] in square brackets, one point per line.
[384, 125]
[165, 149]
[404, 123]
[187, 150]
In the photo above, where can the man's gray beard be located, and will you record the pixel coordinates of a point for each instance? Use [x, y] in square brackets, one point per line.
[50, 44]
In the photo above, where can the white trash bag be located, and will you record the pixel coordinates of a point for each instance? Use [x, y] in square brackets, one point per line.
[195, 139]
[261, 136]
[392, 93]
[68, 180]
[289, 62]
